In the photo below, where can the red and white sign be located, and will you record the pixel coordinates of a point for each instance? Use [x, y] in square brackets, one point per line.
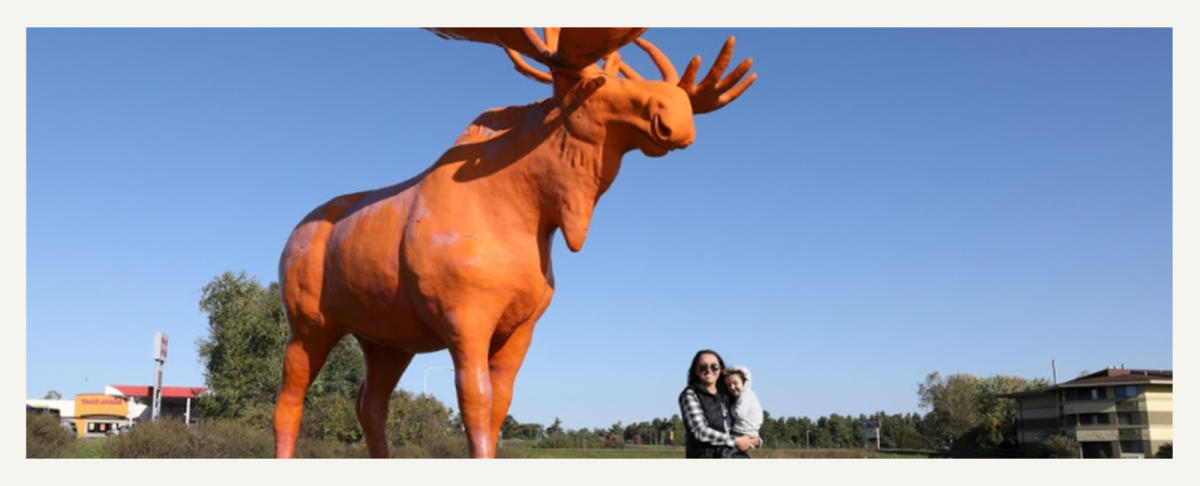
[160, 347]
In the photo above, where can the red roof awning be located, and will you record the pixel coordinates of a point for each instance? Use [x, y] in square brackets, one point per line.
[167, 391]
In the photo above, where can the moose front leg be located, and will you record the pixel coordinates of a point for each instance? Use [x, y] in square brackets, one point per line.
[506, 358]
[473, 383]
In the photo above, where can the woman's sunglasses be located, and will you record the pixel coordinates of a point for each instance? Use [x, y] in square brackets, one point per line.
[711, 366]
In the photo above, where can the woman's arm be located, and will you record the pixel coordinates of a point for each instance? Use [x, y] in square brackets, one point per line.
[693, 419]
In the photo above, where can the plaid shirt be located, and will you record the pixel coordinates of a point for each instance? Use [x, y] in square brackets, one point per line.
[693, 418]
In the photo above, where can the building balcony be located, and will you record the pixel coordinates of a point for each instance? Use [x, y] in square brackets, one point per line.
[1133, 432]
[1130, 405]
[1089, 406]
[1090, 433]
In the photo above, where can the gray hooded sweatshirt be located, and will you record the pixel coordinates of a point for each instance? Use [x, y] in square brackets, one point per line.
[747, 412]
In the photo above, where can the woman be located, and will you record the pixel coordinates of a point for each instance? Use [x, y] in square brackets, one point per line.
[705, 411]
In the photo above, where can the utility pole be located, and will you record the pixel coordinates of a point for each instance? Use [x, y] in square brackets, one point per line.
[807, 444]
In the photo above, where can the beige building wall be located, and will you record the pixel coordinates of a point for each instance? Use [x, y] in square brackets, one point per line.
[1159, 410]
[1040, 415]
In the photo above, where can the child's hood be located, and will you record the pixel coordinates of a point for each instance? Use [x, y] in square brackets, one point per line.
[745, 372]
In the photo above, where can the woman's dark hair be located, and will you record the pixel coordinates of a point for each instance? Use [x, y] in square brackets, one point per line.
[692, 378]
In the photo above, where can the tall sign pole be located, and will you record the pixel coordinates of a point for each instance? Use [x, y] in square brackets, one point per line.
[872, 428]
[160, 356]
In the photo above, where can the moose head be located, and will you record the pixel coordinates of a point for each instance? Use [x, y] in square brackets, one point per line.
[458, 257]
[607, 111]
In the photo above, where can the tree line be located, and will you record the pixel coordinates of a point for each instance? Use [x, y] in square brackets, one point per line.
[966, 414]
[242, 356]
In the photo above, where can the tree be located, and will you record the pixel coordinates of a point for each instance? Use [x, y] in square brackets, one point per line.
[1059, 446]
[416, 418]
[53, 395]
[616, 429]
[243, 355]
[677, 428]
[555, 429]
[508, 428]
[968, 413]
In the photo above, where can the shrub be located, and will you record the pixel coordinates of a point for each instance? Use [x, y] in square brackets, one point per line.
[158, 439]
[331, 417]
[224, 439]
[1059, 446]
[556, 441]
[444, 446]
[229, 439]
[1164, 451]
[46, 438]
[328, 448]
[418, 426]
[413, 418]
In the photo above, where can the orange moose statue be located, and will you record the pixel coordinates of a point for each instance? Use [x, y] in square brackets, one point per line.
[458, 257]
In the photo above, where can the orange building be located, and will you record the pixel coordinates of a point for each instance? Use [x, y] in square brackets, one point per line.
[97, 414]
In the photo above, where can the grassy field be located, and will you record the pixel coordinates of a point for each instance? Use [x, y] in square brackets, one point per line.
[89, 448]
[677, 452]
[92, 448]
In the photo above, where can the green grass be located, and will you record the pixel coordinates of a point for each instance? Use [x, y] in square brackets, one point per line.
[93, 448]
[628, 452]
[518, 450]
[89, 448]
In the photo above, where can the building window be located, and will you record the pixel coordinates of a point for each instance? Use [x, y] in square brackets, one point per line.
[1086, 394]
[1134, 446]
[98, 427]
[1125, 391]
[1129, 418]
[1093, 418]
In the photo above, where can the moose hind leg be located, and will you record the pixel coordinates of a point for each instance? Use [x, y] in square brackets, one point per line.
[302, 360]
[384, 367]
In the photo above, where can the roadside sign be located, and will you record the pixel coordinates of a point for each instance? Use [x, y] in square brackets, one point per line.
[160, 347]
[872, 429]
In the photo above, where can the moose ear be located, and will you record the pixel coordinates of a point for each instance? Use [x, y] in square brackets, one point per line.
[595, 83]
[590, 86]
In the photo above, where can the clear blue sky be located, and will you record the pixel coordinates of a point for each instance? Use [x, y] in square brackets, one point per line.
[880, 205]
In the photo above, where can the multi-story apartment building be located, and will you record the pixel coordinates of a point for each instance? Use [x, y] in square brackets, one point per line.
[1111, 413]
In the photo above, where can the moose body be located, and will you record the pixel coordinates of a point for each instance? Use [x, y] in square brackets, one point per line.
[458, 257]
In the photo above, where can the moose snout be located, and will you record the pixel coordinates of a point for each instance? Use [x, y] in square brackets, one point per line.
[674, 134]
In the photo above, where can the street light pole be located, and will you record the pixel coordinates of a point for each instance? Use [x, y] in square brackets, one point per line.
[425, 390]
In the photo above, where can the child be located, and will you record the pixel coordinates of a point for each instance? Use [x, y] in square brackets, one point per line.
[747, 412]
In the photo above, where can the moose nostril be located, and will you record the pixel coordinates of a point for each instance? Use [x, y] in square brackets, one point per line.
[662, 128]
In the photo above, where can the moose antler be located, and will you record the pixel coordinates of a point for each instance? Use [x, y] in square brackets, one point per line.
[565, 50]
[713, 92]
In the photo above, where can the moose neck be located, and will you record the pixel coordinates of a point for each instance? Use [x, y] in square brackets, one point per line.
[559, 175]
[571, 175]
